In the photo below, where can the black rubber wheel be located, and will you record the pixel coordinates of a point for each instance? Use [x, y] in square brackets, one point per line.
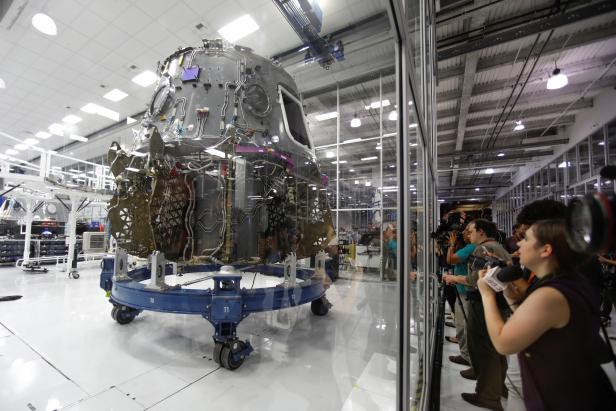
[114, 312]
[319, 307]
[226, 356]
[217, 350]
[75, 275]
[125, 315]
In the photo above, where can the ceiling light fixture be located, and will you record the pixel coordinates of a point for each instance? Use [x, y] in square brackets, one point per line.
[92, 108]
[518, 126]
[393, 116]
[489, 171]
[557, 80]
[355, 122]
[326, 116]
[377, 104]
[339, 162]
[115, 95]
[601, 143]
[352, 170]
[368, 184]
[145, 79]
[238, 28]
[71, 119]
[477, 188]
[78, 138]
[43, 135]
[500, 155]
[412, 125]
[44, 24]
[353, 140]
[330, 154]
[56, 129]
[369, 158]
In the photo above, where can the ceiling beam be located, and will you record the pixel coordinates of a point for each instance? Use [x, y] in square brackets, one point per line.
[534, 27]
[555, 46]
[466, 153]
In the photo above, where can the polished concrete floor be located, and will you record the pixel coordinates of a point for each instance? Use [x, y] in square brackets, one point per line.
[60, 349]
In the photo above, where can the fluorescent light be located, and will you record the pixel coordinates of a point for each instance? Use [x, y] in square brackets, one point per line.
[392, 166]
[352, 170]
[326, 116]
[238, 28]
[356, 181]
[378, 147]
[489, 171]
[413, 144]
[561, 165]
[11, 152]
[31, 141]
[130, 120]
[56, 129]
[71, 119]
[339, 162]
[145, 79]
[355, 122]
[21, 146]
[601, 143]
[133, 169]
[472, 199]
[215, 152]
[330, 154]
[393, 116]
[92, 108]
[410, 102]
[477, 188]
[369, 158]
[368, 184]
[353, 140]
[441, 201]
[115, 95]
[377, 104]
[558, 80]
[43, 135]
[518, 126]
[2, 83]
[44, 24]
[500, 155]
[412, 125]
[78, 138]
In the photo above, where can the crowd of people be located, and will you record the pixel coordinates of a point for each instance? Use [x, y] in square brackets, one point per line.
[537, 343]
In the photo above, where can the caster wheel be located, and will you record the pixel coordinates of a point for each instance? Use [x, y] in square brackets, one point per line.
[226, 356]
[124, 315]
[217, 350]
[74, 275]
[114, 312]
[319, 307]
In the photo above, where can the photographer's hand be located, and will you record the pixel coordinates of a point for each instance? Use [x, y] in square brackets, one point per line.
[453, 238]
[484, 288]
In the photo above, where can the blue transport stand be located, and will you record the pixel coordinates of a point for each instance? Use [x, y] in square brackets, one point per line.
[224, 307]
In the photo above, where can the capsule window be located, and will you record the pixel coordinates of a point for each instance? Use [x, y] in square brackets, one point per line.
[294, 118]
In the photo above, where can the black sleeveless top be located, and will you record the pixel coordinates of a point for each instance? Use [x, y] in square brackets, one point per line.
[561, 370]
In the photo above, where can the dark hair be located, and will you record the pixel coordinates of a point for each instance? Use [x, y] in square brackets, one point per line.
[488, 227]
[541, 210]
[553, 232]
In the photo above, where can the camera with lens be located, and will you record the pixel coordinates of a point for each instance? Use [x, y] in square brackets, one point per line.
[453, 223]
[591, 220]
[476, 263]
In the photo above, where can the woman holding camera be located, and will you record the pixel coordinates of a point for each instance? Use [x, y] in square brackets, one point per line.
[555, 329]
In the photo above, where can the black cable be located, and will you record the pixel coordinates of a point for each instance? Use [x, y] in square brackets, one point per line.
[253, 281]
[522, 88]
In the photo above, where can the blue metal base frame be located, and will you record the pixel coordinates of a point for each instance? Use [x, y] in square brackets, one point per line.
[224, 307]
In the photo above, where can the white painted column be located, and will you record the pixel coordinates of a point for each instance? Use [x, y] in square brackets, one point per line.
[28, 222]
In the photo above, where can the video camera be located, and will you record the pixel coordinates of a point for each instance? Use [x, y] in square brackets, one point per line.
[453, 223]
[591, 220]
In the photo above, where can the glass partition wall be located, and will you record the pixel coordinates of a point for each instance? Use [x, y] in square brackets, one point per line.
[569, 175]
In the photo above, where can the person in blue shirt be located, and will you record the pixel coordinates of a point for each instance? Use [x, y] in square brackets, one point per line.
[458, 252]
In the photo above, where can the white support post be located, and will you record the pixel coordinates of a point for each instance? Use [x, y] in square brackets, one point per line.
[28, 237]
[71, 231]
